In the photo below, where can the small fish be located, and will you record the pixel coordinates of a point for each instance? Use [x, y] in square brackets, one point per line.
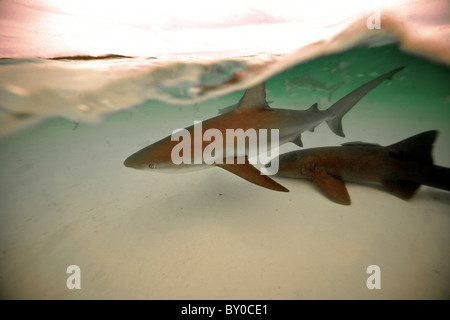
[401, 167]
[253, 112]
[306, 81]
[75, 125]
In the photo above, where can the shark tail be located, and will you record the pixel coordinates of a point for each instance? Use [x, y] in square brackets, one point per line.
[418, 150]
[437, 177]
[341, 107]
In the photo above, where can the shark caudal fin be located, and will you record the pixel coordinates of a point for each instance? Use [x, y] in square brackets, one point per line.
[438, 177]
[250, 173]
[341, 107]
[418, 149]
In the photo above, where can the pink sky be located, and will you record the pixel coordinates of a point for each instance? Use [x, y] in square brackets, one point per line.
[49, 28]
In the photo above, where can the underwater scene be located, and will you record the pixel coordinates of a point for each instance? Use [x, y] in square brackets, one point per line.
[367, 217]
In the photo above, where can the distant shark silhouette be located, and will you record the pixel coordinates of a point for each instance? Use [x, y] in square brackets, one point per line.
[306, 81]
[401, 167]
[253, 112]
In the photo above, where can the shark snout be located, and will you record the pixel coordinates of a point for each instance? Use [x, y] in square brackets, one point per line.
[140, 162]
[135, 162]
[129, 163]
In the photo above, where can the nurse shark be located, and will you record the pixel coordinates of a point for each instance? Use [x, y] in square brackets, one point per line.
[252, 113]
[401, 167]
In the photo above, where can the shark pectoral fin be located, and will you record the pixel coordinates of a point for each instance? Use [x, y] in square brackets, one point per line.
[333, 187]
[251, 174]
[401, 188]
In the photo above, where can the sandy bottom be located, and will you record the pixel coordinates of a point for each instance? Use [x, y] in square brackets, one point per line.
[66, 199]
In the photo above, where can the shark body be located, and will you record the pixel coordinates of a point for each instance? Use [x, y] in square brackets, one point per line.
[253, 112]
[232, 107]
[401, 167]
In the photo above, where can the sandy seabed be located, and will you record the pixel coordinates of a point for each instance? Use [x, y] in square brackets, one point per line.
[67, 199]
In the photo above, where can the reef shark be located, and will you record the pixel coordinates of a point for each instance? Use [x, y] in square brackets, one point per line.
[401, 167]
[306, 81]
[253, 112]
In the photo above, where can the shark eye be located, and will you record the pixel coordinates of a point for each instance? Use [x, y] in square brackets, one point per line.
[152, 166]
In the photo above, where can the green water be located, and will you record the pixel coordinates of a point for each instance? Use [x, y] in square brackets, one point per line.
[66, 198]
[422, 87]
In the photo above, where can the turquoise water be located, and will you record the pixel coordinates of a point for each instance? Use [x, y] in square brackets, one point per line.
[67, 199]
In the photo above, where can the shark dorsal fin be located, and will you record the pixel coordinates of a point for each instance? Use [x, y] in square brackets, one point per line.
[254, 97]
[314, 107]
[360, 144]
[416, 148]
